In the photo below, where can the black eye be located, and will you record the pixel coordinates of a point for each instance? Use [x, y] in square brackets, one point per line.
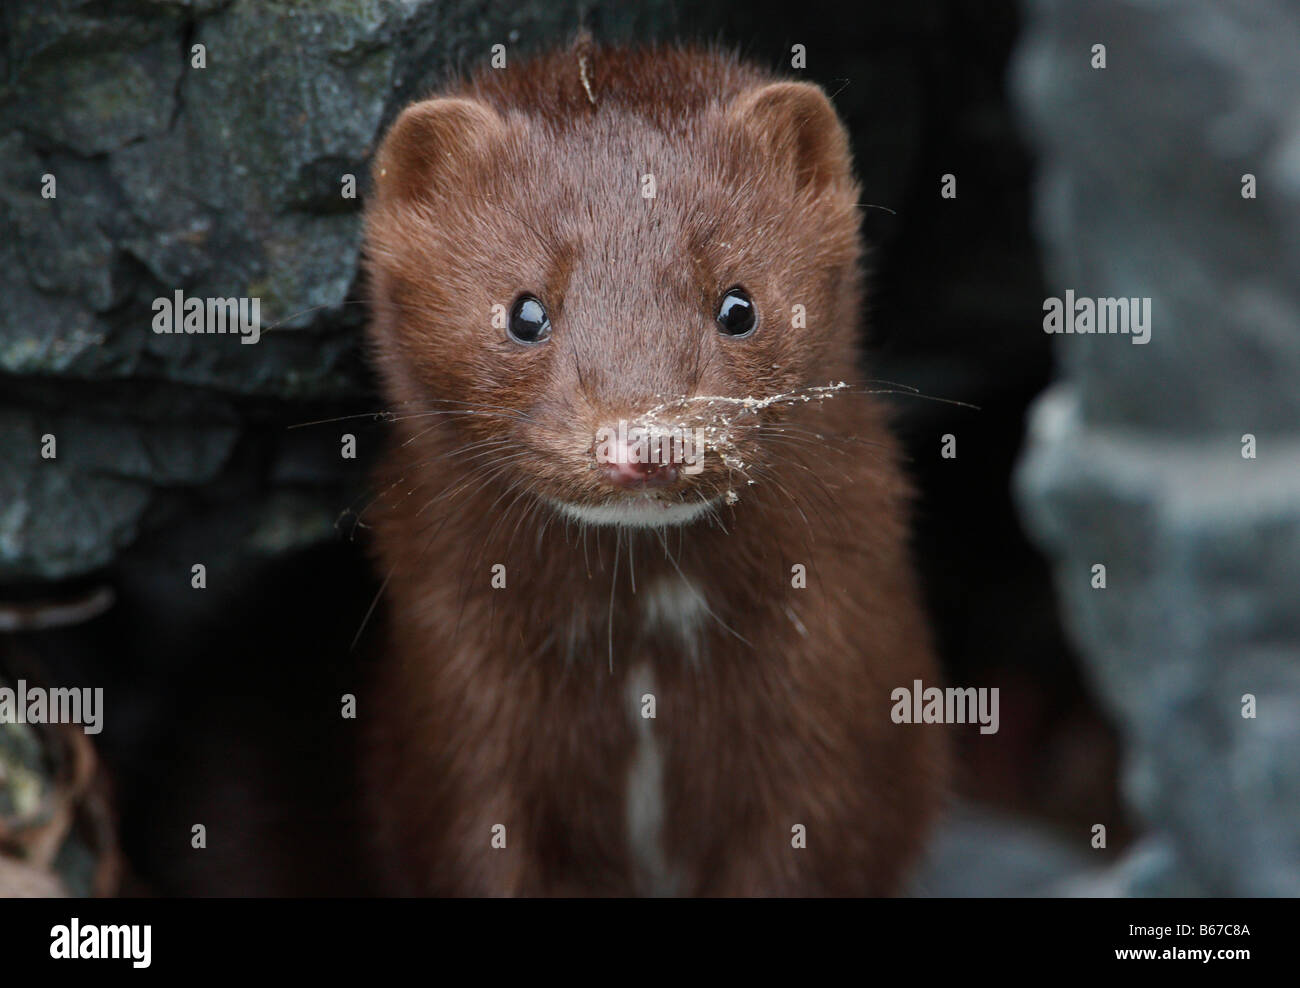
[737, 315]
[528, 320]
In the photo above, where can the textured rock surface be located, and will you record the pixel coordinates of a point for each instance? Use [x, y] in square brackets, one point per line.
[219, 181]
[1135, 460]
[978, 853]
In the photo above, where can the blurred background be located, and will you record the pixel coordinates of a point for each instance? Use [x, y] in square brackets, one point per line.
[1120, 707]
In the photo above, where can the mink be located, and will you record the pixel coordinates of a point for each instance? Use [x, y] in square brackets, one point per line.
[613, 666]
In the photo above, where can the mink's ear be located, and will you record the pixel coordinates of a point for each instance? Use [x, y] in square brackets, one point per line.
[433, 143]
[796, 122]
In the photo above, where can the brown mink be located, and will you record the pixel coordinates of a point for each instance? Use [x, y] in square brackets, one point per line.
[635, 665]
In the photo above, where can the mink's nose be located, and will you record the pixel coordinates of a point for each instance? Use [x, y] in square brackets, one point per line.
[632, 462]
[636, 475]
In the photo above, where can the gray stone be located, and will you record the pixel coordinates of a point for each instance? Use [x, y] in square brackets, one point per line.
[62, 516]
[979, 853]
[1135, 459]
[221, 181]
[1150, 869]
[1141, 196]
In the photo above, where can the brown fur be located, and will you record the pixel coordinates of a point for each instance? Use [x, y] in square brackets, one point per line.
[500, 706]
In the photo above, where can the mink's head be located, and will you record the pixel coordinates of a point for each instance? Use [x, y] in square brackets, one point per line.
[613, 284]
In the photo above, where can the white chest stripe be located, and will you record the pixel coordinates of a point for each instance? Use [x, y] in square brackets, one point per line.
[673, 607]
[645, 794]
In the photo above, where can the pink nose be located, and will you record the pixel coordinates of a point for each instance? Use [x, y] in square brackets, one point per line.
[631, 464]
[634, 475]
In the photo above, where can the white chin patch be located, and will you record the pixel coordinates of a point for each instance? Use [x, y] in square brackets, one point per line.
[635, 512]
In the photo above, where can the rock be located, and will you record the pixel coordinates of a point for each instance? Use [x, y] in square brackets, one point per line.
[1150, 869]
[1135, 460]
[980, 853]
[221, 181]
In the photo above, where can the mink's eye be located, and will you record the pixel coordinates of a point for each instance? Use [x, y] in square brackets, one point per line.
[528, 320]
[737, 315]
